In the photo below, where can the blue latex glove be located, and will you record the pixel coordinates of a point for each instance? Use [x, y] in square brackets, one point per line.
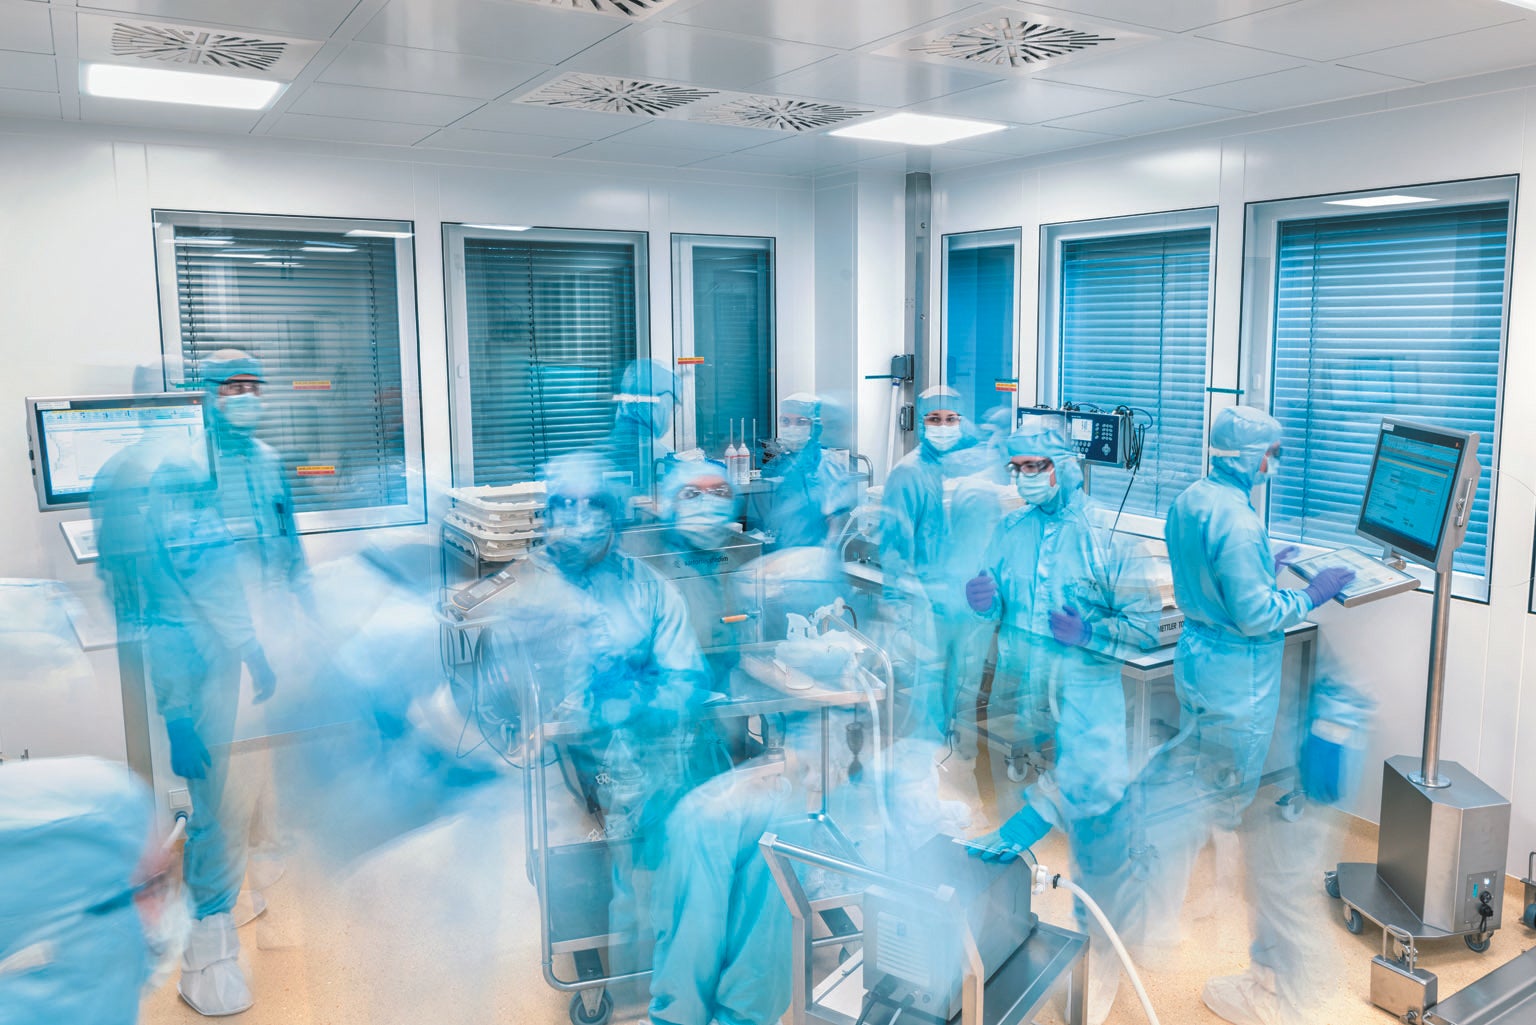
[981, 591]
[1285, 556]
[1021, 832]
[1070, 628]
[189, 756]
[1328, 583]
[263, 680]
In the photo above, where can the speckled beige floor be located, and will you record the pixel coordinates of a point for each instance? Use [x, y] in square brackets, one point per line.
[442, 927]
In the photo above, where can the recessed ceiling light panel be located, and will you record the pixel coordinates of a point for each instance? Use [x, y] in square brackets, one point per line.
[634, 9]
[779, 113]
[135, 42]
[162, 85]
[614, 95]
[1370, 201]
[917, 129]
[1013, 39]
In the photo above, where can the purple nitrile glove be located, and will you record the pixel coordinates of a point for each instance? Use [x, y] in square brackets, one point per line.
[1285, 556]
[981, 591]
[1069, 628]
[1328, 583]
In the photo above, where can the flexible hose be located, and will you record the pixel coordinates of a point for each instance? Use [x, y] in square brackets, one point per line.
[1109, 930]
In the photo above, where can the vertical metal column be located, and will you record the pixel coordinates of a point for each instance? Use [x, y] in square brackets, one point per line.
[136, 713]
[919, 213]
[1434, 698]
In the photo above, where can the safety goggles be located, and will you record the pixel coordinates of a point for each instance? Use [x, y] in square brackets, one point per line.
[1030, 466]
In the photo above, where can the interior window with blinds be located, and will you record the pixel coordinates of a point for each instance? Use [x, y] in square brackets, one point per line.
[327, 308]
[1132, 325]
[544, 324]
[1390, 313]
[724, 303]
[979, 286]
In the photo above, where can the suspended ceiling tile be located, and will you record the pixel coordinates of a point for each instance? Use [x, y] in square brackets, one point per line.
[1168, 15]
[345, 129]
[616, 151]
[497, 142]
[881, 81]
[29, 71]
[167, 115]
[1312, 83]
[505, 31]
[383, 105]
[760, 162]
[525, 119]
[25, 103]
[944, 158]
[698, 57]
[1168, 66]
[1144, 117]
[691, 135]
[1029, 140]
[308, 19]
[1469, 53]
[829, 150]
[26, 26]
[1326, 30]
[1024, 101]
[430, 71]
[846, 25]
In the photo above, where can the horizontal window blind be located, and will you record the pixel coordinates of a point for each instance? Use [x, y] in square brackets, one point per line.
[1135, 323]
[321, 312]
[1388, 314]
[551, 327]
[978, 324]
[733, 332]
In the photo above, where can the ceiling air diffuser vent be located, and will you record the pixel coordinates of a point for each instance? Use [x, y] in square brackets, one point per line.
[614, 95]
[623, 8]
[205, 48]
[1011, 39]
[113, 39]
[779, 113]
[1012, 42]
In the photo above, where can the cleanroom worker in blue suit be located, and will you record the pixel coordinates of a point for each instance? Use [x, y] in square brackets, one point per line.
[211, 554]
[1066, 601]
[609, 643]
[646, 399]
[920, 596]
[1227, 672]
[723, 940]
[813, 494]
[74, 838]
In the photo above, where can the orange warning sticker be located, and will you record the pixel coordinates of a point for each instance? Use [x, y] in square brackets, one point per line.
[311, 386]
[690, 361]
[1001, 385]
[316, 471]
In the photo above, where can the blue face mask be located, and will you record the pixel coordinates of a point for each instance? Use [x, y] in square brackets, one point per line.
[242, 412]
[703, 521]
[1036, 489]
[943, 438]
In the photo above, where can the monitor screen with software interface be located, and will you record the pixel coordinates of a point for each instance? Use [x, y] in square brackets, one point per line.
[1419, 491]
[73, 438]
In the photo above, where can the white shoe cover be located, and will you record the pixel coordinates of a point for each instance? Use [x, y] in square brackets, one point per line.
[248, 908]
[1103, 986]
[212, 982]
[1247, 999]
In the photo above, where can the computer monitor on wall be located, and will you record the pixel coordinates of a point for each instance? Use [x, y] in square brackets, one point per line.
[1418, 497]
[72, 439]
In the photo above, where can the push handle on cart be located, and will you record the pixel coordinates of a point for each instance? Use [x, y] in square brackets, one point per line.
[778, 854]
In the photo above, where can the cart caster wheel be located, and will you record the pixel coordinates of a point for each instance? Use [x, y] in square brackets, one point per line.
[1529, 918]
[1291, 810]
[1018, 770]
[1353, 922]
[579, 1014]
[1479, 943]
[1331, 884]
